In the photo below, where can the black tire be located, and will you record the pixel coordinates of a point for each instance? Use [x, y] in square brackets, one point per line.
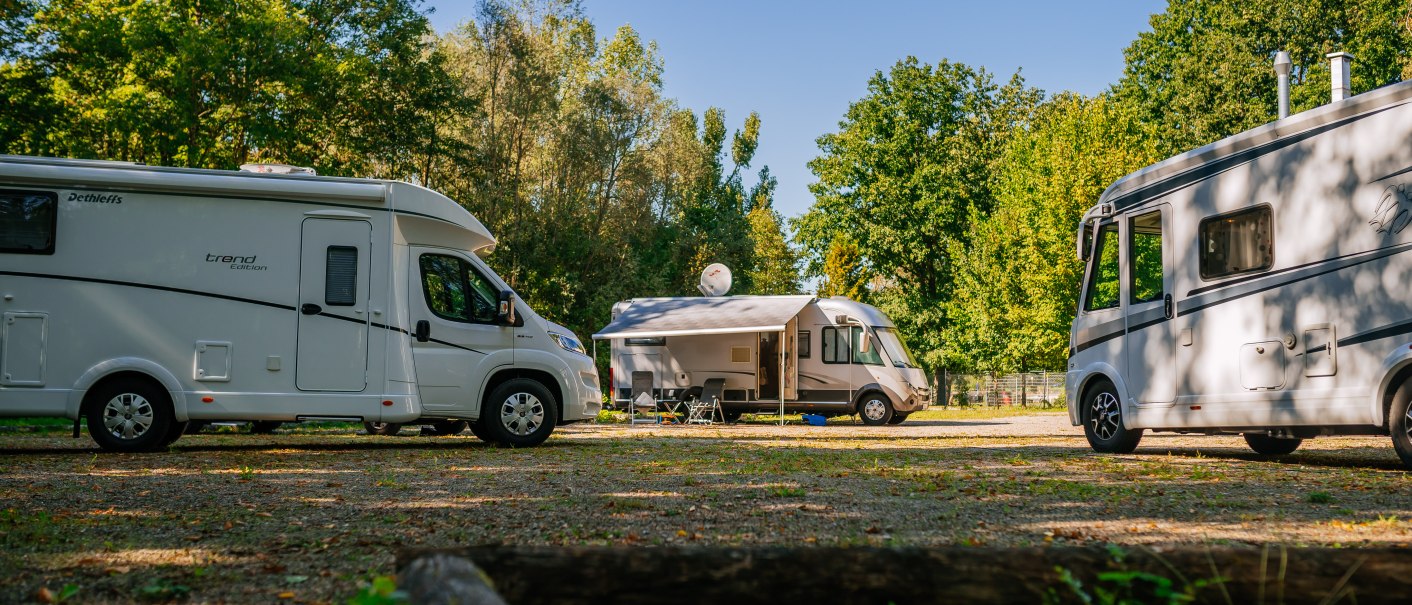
[1271, 446]
[898, 417]
[1104, 425]
[446, 428]
[196, 426]
[1399, 416]
[174, 432]
[386, 429]
[874, 409]
[264, 427]
[130, 415]
[731, 416]
[478, 429]
[520, 413]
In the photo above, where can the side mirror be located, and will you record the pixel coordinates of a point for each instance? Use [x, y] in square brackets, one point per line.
[506, 312]
[423, 331]
[840, 319]
[867, 345]
[1084, 236]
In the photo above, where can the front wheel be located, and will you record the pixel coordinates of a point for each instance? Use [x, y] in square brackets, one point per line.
[1103, 422]
[520, 413]
[1271, 446]
[382, 428]
[1400, 423]
[130, 415]
[898, 417]
[875, 410]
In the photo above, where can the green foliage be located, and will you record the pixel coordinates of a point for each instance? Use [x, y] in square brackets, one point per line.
[382, 590]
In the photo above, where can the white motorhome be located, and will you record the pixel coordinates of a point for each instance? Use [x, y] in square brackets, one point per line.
[1255, 286]
[830, 356]
[142, 298]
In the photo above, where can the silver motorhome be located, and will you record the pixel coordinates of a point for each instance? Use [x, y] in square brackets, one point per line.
[142, 298]
[1255, 286]
[830, 356]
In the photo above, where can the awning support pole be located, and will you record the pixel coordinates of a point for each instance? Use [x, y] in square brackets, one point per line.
[781, 380]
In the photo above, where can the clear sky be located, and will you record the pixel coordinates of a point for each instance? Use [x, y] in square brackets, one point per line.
[799, 63]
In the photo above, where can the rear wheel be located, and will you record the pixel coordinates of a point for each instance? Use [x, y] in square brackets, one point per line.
[1103, 422]
[731, 416]
[1271, 446]
[130, 415]
[874, 409]
[382, 428]
[1400, 423]
[264, 427]
[520, 413]
[449, 427]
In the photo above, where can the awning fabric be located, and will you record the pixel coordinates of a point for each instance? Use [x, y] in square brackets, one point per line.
[653, 317]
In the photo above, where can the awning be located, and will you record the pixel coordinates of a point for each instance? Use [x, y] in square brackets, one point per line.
[654, 317]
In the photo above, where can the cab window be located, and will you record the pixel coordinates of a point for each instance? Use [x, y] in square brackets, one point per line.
[454, 290]
[1145, 258]
[1103, 278]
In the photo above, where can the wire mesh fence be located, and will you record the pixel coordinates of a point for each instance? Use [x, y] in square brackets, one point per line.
[1030, 389]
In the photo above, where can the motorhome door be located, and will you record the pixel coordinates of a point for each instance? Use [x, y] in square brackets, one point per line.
[332, 350]
[1149, 309]
[453, 301]
[791, 360]
[767, 362]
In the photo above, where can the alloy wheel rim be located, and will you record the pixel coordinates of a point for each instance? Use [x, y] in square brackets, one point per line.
[522, 414]
[874, 409]
[1407, 422]
[1104, 416]
[128, 416]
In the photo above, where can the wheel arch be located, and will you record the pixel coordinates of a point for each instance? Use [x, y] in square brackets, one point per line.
[1390, 389]
[873, 387]
[125, 367]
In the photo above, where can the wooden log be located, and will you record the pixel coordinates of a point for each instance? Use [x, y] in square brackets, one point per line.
[774, 575]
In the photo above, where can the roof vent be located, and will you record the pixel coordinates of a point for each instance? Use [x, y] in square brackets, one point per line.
[277, 169]
[1282, 65]
[1338, 75]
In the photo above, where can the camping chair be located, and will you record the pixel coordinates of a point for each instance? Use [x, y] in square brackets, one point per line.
[706, 408]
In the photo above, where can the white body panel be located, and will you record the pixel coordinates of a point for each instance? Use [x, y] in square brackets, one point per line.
[203, 281]
[810, 383]
[1305, 346]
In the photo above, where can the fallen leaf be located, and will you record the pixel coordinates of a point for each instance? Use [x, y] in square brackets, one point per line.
[44, 595]
[286, 595]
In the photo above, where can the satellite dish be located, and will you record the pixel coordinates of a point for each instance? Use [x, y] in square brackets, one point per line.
[715, 280]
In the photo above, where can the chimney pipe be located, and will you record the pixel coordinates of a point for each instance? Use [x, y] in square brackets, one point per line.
[1282, 66]
[1338, 75]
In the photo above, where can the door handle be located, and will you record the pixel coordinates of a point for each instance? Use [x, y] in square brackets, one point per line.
[1167, 306]
[311, 309]
[423, 331]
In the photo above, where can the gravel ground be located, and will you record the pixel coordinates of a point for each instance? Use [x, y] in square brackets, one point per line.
[312, 515]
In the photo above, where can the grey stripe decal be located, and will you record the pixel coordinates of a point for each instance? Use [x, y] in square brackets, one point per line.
[1101, 333]
[1284, 278]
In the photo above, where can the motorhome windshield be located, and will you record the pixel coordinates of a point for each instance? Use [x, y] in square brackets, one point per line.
[896, 349]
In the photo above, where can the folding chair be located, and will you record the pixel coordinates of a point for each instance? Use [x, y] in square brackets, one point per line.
[706, 408]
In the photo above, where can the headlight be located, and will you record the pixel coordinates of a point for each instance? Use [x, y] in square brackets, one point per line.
[569, 343]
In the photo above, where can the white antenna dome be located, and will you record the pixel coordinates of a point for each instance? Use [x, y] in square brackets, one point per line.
[715, 280]
[277, 169]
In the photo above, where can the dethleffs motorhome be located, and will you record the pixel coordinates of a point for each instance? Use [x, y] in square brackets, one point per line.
[142, 298]
[1258, 285]
[831, 356]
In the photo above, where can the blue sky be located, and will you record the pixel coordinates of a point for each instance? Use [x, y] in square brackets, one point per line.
[799, 64]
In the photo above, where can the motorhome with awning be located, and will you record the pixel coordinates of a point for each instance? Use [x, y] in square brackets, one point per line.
[1255, 286]
[143, 298]
[778, 354]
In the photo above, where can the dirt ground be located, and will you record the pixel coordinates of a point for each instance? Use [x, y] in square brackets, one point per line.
[314, 515]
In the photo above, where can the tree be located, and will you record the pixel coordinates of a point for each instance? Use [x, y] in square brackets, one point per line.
[1205, 72]
[908, 168]
[843, 273]
[1017, 280]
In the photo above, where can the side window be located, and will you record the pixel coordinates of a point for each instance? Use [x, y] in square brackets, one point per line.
[27, 220]
[646, 342]
[870, 357]
[1145, 258]
[836, 346]
[1103, 280]
[455, 291]
[803, 344]
[341, 276]
[1240, 242]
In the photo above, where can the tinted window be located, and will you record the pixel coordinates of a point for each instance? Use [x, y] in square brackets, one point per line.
[341, 276]
[27, 221]
[1145, 258]
[836, 346]
[454, 290]
[1103, 278]
[646, 342]
[870, 357]
[1240, 242]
